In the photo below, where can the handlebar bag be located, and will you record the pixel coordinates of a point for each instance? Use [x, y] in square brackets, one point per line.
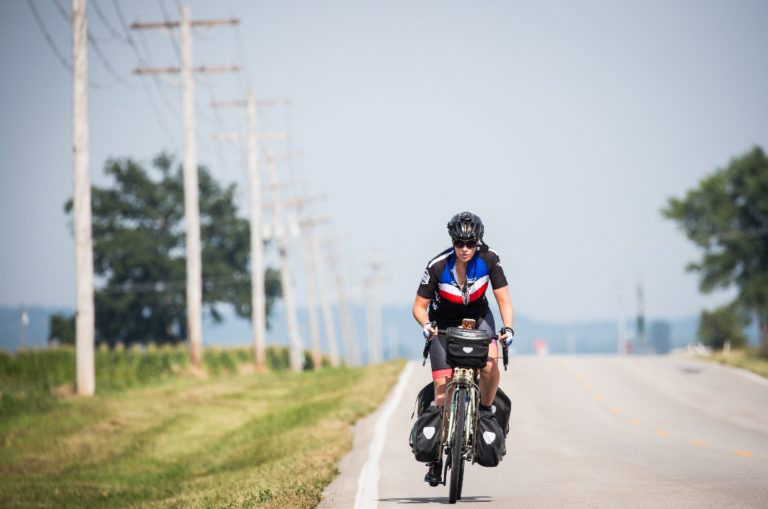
[425, 435]
[466, 348]
[489, 442]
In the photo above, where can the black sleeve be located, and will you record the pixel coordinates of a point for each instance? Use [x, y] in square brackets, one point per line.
[497, 277]
[428, 284]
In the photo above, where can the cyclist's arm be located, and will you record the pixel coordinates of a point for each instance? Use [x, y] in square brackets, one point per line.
[420, 306]
[505, 305]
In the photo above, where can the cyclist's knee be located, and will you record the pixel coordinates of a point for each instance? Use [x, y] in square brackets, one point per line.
[440, 390]
[490, 367]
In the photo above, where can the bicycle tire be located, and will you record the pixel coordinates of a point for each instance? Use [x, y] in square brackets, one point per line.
[457, 461]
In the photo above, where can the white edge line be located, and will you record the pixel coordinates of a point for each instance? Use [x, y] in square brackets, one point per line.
[368, 483]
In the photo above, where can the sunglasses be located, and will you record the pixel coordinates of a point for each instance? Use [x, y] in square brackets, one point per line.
[471, 244]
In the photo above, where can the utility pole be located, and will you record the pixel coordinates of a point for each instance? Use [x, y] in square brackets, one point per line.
[280, 227]
[306, 225]
[23, 324]
[621, 346]
[86, 379]
[325, 301]
[258, 296]
[640, 324]
[313, 268]
[308, 257]
[373, 314]
[315, 294]
[351, 350]
[191, 187]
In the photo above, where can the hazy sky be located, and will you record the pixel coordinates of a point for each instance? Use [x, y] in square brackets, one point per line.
[564, 125]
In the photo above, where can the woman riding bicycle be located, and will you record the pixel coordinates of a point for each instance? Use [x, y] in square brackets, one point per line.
[453, 288]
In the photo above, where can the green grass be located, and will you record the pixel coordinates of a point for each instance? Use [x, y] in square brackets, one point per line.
[238, 440]
[31, 379]
[745, 359]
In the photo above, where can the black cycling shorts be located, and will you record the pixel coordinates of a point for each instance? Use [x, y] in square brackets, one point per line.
[440, 367]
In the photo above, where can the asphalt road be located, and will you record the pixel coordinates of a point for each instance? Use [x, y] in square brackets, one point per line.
[598, 431]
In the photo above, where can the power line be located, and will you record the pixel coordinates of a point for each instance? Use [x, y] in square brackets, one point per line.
[176, 285]
[55, 49]
[59, 56]
[142, 61]
[141, 58]
[96, 49]
[245, 75]
[106, 23]
[105, 63]
[167, 19]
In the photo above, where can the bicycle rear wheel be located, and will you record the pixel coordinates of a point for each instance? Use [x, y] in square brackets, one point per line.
[457, 460]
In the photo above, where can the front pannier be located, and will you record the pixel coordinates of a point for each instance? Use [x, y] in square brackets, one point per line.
[425, 435]
[467, 348]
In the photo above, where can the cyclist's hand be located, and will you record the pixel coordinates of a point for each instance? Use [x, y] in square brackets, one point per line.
[429, 330]
[507, 335]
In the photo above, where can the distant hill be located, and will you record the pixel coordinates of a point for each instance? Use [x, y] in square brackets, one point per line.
[587, 337]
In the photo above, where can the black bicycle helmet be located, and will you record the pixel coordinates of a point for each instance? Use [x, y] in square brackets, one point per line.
[466, 226]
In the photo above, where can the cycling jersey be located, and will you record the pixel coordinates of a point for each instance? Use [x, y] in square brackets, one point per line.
[449, 301]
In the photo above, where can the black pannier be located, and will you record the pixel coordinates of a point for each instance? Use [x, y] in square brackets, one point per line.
[489, 441]
[502, 407]
[425, 435]
[467, 348]
[425, 398]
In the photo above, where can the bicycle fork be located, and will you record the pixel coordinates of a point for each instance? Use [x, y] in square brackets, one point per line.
[462, 378]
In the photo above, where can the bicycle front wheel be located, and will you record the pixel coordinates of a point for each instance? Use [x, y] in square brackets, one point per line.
[457, 459]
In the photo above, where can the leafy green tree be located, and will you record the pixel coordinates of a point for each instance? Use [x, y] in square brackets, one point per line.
[725, 323]
[61, 328]
[727, 216]
[139, 257]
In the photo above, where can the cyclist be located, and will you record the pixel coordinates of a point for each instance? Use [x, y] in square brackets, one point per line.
[452, 288]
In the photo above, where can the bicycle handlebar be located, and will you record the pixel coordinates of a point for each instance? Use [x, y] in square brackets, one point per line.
[504, 347]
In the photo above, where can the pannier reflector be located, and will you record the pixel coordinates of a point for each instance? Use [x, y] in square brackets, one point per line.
[429, 431]
[489, 437]
[467, 349]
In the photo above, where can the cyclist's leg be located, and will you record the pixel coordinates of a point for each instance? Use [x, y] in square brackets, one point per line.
[440, 373]
[440, 369]
[489, 375]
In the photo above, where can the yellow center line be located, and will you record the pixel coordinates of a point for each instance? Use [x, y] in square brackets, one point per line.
[614, 410]
[598, 397]
[743, 454]
[662, 432]
[697, 443]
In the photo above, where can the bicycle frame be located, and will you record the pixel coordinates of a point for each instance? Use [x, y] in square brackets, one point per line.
[462, 379]
[466, 378]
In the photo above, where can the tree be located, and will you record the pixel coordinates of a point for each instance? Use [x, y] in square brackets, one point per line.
[138, 244]
[727, 216]
[61, 328]
[725, 323]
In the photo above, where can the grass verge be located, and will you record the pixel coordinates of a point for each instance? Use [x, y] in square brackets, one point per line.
[33, 380]
[259, 440]
[745, 359]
